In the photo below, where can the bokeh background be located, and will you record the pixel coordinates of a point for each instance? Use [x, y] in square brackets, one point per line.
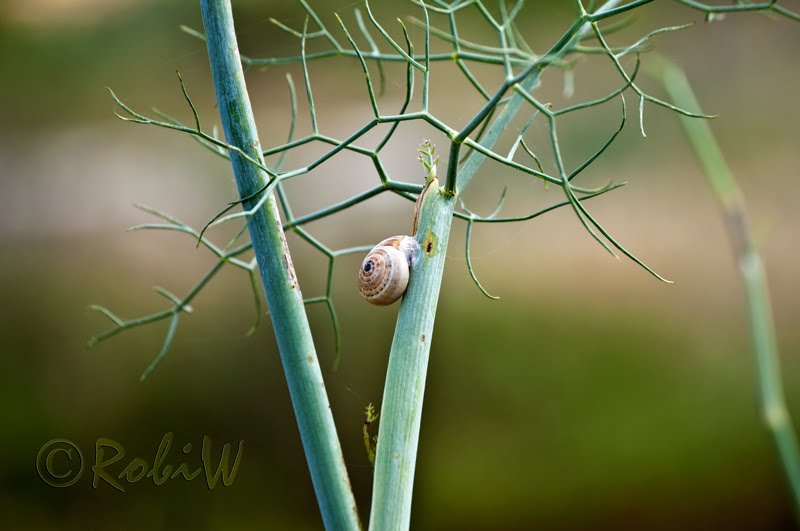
[590, 396]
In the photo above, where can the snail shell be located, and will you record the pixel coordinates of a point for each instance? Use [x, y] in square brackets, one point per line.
[383, 276]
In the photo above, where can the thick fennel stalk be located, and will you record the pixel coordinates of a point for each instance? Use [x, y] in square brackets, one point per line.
[289, 320]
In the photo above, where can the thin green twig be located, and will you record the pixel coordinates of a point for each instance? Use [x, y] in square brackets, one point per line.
[775, 412]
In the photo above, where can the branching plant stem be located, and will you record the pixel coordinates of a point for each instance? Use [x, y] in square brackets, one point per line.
[401, 409]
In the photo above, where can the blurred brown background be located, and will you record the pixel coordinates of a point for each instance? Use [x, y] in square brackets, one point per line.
[590, 396]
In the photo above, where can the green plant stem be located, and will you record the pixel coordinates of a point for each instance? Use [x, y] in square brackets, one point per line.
[751, 266]
[289, 320]
[401, 409]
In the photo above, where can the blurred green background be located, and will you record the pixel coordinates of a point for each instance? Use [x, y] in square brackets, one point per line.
[590, 396]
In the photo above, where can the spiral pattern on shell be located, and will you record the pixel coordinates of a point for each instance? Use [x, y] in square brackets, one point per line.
[383, 276]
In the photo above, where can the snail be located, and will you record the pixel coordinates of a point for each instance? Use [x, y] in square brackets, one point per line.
[383, 276]
[384, 273]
